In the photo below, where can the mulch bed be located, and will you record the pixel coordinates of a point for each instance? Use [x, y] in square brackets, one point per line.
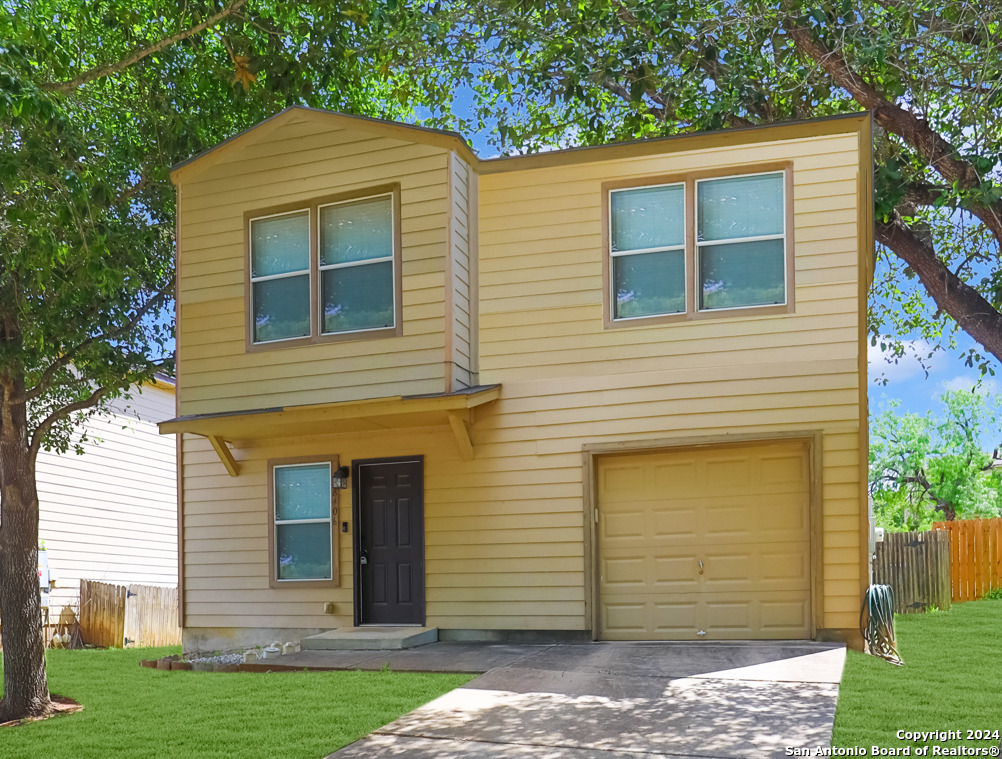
[60, 705]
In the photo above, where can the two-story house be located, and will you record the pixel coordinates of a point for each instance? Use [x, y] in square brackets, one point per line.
[610, 393]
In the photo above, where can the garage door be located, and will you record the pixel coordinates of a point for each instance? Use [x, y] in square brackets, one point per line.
[707, 543]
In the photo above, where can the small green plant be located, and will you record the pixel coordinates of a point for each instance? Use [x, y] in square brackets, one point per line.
[933, 609]
[995, 594]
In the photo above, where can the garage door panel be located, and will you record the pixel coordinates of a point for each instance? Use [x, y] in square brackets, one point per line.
[674, 619]
[742, 511]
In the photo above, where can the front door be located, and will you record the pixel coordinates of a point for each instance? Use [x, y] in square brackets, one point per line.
[389, 542]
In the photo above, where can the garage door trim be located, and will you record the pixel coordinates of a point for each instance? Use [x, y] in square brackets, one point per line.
[591, 452]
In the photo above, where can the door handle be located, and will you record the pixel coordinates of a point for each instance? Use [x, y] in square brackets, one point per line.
[363, 559]
[700, 566]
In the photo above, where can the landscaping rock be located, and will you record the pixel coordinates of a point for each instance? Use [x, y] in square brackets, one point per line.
[180, 665]
[151, 663]
[225, 667]
[203, 666]
[164, 663]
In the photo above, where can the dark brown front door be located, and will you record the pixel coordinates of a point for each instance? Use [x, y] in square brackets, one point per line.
[389, 542]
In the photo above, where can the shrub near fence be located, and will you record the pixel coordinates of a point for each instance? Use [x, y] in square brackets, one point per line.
[917, 566]
[975, 556]
[137, 615]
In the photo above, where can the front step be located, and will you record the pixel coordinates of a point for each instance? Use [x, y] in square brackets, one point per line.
[369, 638]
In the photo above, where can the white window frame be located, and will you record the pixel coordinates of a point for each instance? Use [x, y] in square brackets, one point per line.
[308, 271]
[321, 268]
[329, 521]
[613, 255]
[697, 294]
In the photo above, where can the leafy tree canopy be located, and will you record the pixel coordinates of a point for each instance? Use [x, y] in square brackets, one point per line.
[934, 466]
[97, 100]
[590, 72]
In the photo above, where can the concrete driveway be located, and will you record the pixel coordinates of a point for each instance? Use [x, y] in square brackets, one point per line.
[624, 700]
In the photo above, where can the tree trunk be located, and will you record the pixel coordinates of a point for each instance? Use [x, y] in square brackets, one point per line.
[25, 688]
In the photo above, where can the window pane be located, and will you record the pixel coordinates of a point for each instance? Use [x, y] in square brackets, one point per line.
[280, 245]
[303, 492]
[647, 218]
[740, 207]
[358, 297]
[649, 283]
[356, 231]
[742, 274]
[281, 308]
[304, 551]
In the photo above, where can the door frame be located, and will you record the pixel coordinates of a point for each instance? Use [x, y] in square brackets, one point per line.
[591, 451]
[356, 535]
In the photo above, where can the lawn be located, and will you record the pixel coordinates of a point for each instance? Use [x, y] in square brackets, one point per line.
[952, 680]
[137, 713]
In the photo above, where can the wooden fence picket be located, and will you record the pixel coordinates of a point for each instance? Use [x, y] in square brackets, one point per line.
[917, 566]
[976, 556]
[137, 615]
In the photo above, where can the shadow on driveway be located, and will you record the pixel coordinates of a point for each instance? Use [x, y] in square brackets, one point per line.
[619, 700]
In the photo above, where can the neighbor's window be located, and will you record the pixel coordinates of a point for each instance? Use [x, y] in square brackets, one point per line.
[280, 276]
[648, 250]
[356, 265]
[303, 530]
[740, 241]
[727, 252]
[325, 271]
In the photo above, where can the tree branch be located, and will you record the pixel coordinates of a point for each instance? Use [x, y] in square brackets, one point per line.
[45, 380]
[62, 413]
[972, 312]
[937, 151]
[137, 55]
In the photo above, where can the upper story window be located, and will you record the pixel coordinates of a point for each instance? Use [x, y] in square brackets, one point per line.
[699, 246]
[325, 271]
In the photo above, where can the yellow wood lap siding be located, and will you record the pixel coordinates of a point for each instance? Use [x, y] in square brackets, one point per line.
[505, 533]
[298, 163]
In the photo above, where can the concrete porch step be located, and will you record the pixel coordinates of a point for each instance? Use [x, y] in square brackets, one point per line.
[369, 638]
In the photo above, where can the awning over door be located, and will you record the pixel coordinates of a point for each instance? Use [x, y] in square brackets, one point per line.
[396, 412]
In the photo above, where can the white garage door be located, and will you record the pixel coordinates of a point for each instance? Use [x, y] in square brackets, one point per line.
[705, 543]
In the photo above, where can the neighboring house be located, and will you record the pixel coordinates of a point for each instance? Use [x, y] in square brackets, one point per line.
[613, 392]
[110, 514]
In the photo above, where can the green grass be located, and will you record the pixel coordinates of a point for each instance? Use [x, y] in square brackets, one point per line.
[952, 680]
[137, 713]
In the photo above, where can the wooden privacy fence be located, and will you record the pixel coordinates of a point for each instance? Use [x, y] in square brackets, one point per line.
[975, 556]
[133, 616]
[917, 566]
[102, 613]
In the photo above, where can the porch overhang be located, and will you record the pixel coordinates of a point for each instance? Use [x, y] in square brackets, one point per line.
[369, 415]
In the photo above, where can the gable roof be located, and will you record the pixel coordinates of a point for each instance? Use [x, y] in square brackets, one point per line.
[448, 140]
[441, 138]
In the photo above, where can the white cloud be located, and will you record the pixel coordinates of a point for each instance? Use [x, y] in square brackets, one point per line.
[987, 386]
[882, 363]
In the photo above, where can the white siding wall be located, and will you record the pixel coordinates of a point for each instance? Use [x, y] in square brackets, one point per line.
[111, 513]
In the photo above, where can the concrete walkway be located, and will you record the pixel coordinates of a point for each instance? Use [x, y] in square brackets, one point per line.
[616, 701]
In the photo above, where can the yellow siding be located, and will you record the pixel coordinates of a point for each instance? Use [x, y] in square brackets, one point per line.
[460, 358]
[505, 532]
[568, 382]
[302, 160]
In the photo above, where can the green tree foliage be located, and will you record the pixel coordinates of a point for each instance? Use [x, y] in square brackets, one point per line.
[929, 71]
[934, 466]
[97, 100]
